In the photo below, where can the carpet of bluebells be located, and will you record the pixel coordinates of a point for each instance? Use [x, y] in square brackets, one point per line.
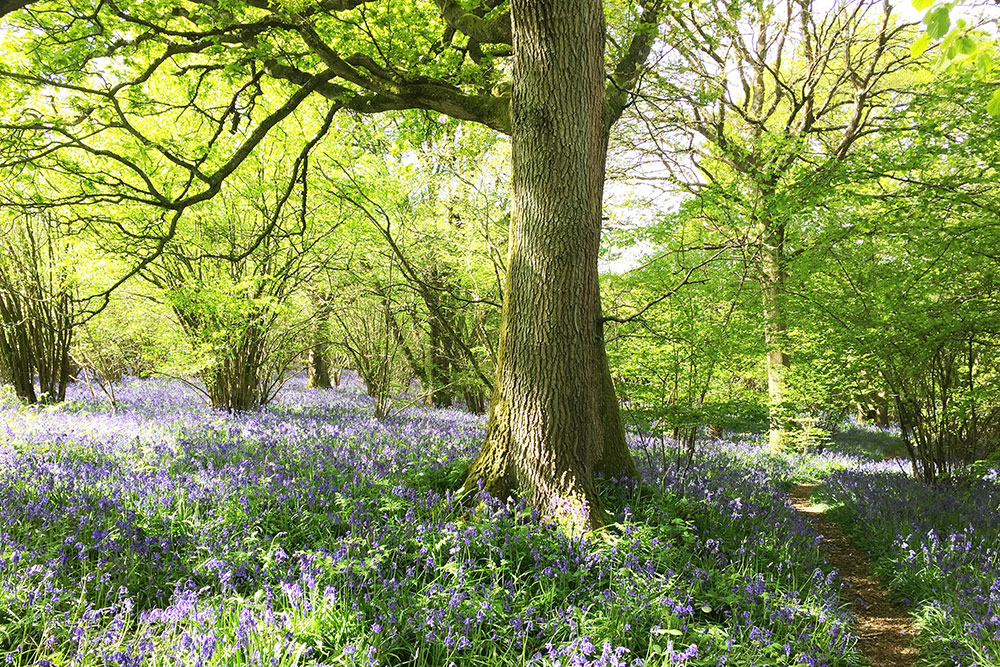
[938, 550]
[165, 533]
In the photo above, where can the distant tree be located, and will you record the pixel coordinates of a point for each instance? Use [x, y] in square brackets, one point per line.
[911, 294]
[440, 220]
[243, 69]
[919, 312]
[751, 109]
[683, 332]
[318, 368]
[129, 337]
[38, 309]
[368, 331]
[233, 280]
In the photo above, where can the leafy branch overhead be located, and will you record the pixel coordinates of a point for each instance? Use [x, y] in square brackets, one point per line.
[153, 105]
[959, 44]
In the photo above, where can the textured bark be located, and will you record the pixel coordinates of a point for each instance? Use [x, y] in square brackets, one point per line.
[319, 368]
[775, 327]
[440, 365]
[615, 459]
[15, 347]
[318, 372]
[545, 436]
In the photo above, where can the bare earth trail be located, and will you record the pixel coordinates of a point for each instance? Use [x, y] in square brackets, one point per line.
[886, 631]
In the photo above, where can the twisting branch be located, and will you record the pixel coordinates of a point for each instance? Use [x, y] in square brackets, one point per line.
[484, 31]
[686, 280]
[383, 223]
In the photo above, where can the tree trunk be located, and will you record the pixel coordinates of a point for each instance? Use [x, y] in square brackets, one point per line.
[441, 328]
[439, 372]
[16, 350]
[873, 408]
[881, 409]
[318, 370]
[475, 400]
[545, 433]
[775, 326]
[53, 335]
[318, 373]
[616, 459]
[235, 382]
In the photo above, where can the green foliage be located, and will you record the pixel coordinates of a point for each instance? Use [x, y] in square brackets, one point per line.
[236, 281]
[824, 384]
[684, 353]
[427, 288]
[907, 295]
[938, 22]
[959, 45]
[993, 107]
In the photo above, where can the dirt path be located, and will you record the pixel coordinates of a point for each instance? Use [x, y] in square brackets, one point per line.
[886, 631]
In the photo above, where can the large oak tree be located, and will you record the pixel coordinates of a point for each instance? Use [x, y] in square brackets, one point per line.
[104, 88]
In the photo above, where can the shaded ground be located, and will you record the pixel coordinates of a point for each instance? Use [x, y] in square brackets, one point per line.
[886, 631]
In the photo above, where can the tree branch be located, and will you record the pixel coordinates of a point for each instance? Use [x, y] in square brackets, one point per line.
[483, 31]
[628, 70]
[8, 6]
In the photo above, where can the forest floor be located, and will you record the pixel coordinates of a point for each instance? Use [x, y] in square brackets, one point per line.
[886, 631]
[312, 533]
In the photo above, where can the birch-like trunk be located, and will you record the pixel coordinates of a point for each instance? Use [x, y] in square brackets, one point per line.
[775, 329]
